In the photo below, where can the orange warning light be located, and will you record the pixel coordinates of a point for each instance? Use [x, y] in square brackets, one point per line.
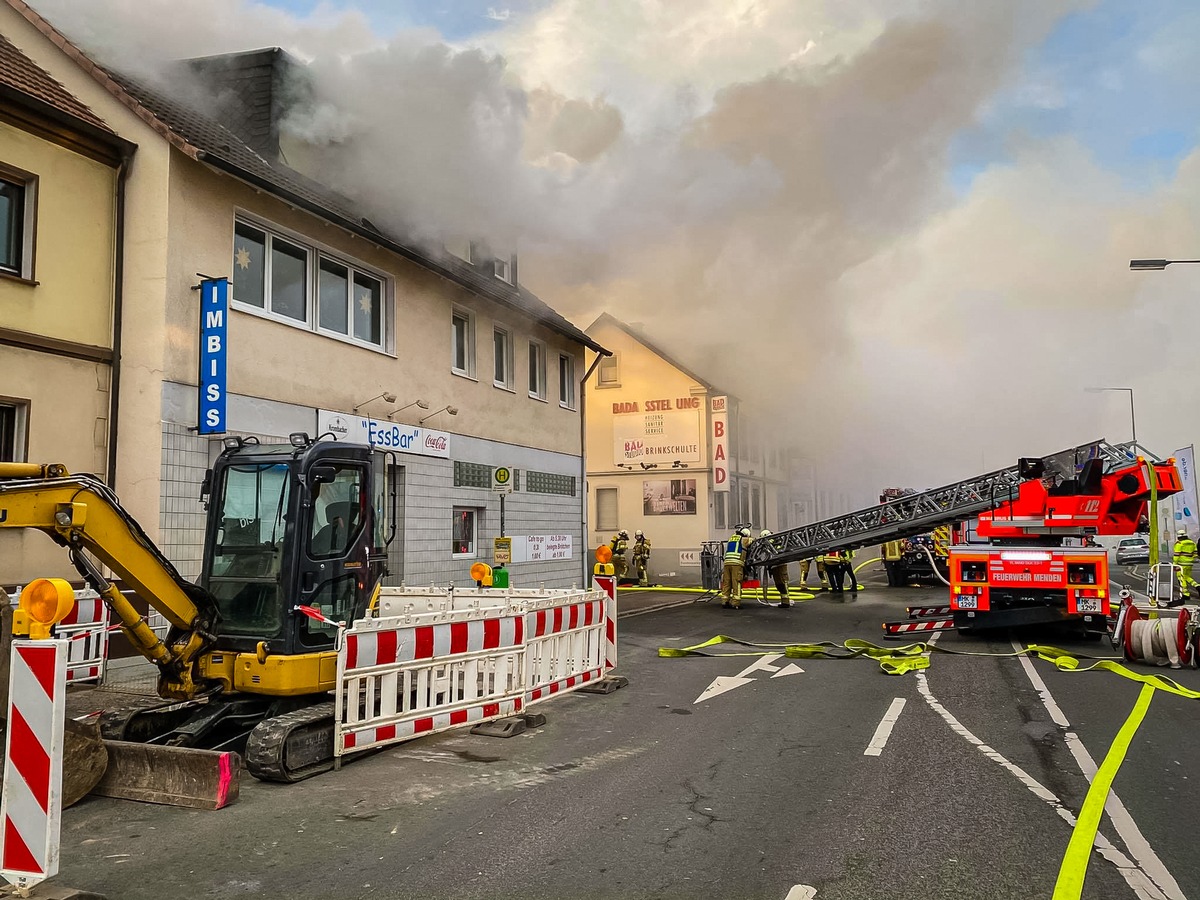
[480, 571]
[604, 554]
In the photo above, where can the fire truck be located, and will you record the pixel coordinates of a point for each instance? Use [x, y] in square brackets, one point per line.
[1040, 564]
[922, 558]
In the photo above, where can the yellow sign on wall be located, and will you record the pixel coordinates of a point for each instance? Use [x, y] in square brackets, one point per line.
[502, 551]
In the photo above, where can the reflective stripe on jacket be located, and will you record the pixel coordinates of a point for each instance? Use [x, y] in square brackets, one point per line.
[735, 551]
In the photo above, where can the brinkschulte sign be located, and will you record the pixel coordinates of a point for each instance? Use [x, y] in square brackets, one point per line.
[383, 435]
[214, 318]
[657, 437]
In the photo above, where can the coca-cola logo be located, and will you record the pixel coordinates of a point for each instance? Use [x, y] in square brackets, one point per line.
[433, 442]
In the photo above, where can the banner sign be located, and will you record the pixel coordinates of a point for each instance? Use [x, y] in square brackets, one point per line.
[383, 434]
[214, 316]
[657, 437]
[1185, 500]
[720, 443]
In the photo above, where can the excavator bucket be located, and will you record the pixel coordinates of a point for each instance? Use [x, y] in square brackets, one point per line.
[176, 776]
[85, 759]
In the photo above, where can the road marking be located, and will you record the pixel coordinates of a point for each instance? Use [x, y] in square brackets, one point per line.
[1135, 877]
[720, 685]
[1127, 829]
[725, 683]
[801, 892]
[884, 731]
[762, 665]
[789, 669]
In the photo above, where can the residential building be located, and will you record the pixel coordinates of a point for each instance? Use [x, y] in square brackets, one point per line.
[670, 453]
[61, 177]
[334, 327]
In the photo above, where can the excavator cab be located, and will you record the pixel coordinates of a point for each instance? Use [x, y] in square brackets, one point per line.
[298, 524]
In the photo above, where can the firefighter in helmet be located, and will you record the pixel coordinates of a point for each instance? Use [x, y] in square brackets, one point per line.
[735, 564]
[1183, 557]
[779, 575]
[641, 556]
[619, 546]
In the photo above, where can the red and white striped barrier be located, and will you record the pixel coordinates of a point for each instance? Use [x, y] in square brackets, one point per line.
[32, 804]
[87, 628]
[896, 629]
[437, 659]
[925, 612]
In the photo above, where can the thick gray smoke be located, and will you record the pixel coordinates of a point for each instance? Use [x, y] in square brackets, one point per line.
[763, 184]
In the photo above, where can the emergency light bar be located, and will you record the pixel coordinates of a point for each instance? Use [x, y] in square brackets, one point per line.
[1025, 555]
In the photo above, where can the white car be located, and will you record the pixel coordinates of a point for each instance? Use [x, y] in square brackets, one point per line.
[1133, 550]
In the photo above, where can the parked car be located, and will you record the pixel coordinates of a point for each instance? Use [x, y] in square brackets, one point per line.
[1133, 550]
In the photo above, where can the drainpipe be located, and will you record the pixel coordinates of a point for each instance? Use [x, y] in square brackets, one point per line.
[583, 503]
[114, 381]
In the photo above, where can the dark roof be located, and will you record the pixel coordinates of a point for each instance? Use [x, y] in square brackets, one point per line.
[22, 74]
[607, 319]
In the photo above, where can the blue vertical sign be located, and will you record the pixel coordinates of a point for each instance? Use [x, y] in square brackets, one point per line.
[214, 316]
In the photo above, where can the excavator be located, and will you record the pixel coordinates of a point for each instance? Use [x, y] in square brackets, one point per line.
[296, 539]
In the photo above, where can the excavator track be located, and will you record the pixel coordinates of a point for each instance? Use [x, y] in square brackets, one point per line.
[293, 746]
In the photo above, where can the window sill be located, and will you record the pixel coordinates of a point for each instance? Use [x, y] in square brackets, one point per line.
[537, 397]
[462, 374]
[19, 279]
[562, 405]
[607, 387]
[503, 387]
[462, 556]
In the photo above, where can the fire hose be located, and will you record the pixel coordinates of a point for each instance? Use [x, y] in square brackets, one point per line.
[933, 565]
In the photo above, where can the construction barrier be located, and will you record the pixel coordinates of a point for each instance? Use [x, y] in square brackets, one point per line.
[31, 807]
[437, 659]
[86, 629]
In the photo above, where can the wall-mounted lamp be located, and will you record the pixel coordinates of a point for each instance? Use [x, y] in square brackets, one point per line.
[420, 403]
[649, 465]
[386, 396]
[624, 466]
[452, 410]
[679, 464]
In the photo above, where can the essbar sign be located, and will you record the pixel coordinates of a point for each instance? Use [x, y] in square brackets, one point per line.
[720, 443]
[382, 434]
[214, 319]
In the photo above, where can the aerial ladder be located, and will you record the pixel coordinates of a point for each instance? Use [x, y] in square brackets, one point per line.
[918, 513]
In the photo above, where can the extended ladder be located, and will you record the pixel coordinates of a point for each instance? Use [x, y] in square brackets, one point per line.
[917, 513]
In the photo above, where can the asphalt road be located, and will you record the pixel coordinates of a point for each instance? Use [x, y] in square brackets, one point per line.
[751, 793]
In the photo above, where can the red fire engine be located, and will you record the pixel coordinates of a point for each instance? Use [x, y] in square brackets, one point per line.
[1026, 574]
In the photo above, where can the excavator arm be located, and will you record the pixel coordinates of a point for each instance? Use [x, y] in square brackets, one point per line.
[82, 514]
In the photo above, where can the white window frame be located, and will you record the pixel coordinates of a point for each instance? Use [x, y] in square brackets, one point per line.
[538, 350]
[601, 524]
[503, 269]
[505, 383]
[566, 399]
[20, 436]
[612, 363]
[476, 516]
[469, 317]
[28, 182]
[351, 271]
[315, 251]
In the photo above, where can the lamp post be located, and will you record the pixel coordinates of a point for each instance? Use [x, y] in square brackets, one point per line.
[1132, 416]
[1156, 265]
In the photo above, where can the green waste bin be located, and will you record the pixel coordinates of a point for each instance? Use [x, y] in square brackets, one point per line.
[499, 577]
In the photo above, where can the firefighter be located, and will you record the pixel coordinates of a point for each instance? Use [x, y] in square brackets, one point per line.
[848, 562]
[731, 572]
[641, 556]
[779, 575]
[619, 546]
[804, 566]
[835, 568]
[1183, 557]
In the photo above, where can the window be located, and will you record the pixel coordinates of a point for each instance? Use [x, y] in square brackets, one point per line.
[272, 273]
[502, 345]
[550, 483]
[537, 370]
[719, 509]
[756, 515]
[609, 372]
[462, 339]
[503, 270]
[350, 302]
[17, 225]
[566, 381]
[463, 530]
[606, 509]
[12, 431]
[338, 514]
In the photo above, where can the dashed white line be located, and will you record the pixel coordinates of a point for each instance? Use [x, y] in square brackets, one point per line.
[1122, 821]
[884, 731]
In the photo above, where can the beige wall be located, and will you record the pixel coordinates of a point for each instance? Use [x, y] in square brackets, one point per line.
[643, 376]
[74, 248]
[275, 360]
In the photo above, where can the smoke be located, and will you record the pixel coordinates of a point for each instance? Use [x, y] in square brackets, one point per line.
[763, 183]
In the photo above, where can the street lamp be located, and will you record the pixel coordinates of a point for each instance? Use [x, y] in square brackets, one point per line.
[450, 410]
[1132, 417]
[1156, 265]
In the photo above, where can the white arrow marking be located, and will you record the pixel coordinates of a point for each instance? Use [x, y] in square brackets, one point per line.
[720, 685]
[789, 669]
[801, 892]
[763, 664]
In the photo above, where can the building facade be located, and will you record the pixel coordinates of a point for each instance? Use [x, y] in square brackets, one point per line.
[334, 327]
[671, 454]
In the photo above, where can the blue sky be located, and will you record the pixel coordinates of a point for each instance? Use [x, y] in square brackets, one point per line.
[1120, 78]
[454, 19]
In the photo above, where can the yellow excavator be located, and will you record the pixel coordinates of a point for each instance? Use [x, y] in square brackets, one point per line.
[243, 666]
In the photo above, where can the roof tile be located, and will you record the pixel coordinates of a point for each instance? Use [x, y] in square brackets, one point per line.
[21, 73]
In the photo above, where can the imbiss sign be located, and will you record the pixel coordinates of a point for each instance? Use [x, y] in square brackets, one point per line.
[656, 431]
